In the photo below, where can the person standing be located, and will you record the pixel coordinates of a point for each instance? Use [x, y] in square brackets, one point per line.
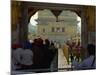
[89, 62]
[17, 51]
[26, 59]
[66, 51]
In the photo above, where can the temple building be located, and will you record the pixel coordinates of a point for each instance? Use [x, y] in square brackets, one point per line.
[60, 31]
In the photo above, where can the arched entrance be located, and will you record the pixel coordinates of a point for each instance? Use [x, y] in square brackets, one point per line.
[30, 8]
[57, 29]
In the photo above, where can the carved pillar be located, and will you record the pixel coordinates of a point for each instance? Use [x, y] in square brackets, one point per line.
[23, 31]
[84, 34]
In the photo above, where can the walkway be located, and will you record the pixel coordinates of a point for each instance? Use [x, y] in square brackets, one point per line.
[62, 62]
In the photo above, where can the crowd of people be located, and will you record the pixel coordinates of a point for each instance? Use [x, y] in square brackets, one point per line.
[72, 50]
[42, 54]
[37, 55]
[89, 62]
[75, 51]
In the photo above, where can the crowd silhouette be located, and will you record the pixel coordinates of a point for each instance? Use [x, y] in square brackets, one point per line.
[36, 55]
[40, 54]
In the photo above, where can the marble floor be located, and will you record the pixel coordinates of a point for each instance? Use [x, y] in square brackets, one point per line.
[62, 62]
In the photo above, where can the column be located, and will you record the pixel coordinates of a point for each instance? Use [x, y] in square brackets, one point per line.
[23, 29]
[84, 34]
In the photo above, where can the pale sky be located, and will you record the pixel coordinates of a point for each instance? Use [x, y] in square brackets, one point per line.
[33, 18]
[79, 19]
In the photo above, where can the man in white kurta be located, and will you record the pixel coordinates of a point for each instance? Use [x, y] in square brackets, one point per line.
[16, 58]
[22, 58]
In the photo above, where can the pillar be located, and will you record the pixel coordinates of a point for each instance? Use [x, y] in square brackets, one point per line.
[84, 35]
[23, 29]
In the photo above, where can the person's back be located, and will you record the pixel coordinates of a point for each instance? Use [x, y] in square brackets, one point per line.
[27, 45]
[27, 57]
[38, 50]
[49, 53]
[17, 57]
[38, 54]
[90, 62]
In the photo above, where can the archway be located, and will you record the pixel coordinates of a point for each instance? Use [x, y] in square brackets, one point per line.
[58, 10]
[64, 29]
